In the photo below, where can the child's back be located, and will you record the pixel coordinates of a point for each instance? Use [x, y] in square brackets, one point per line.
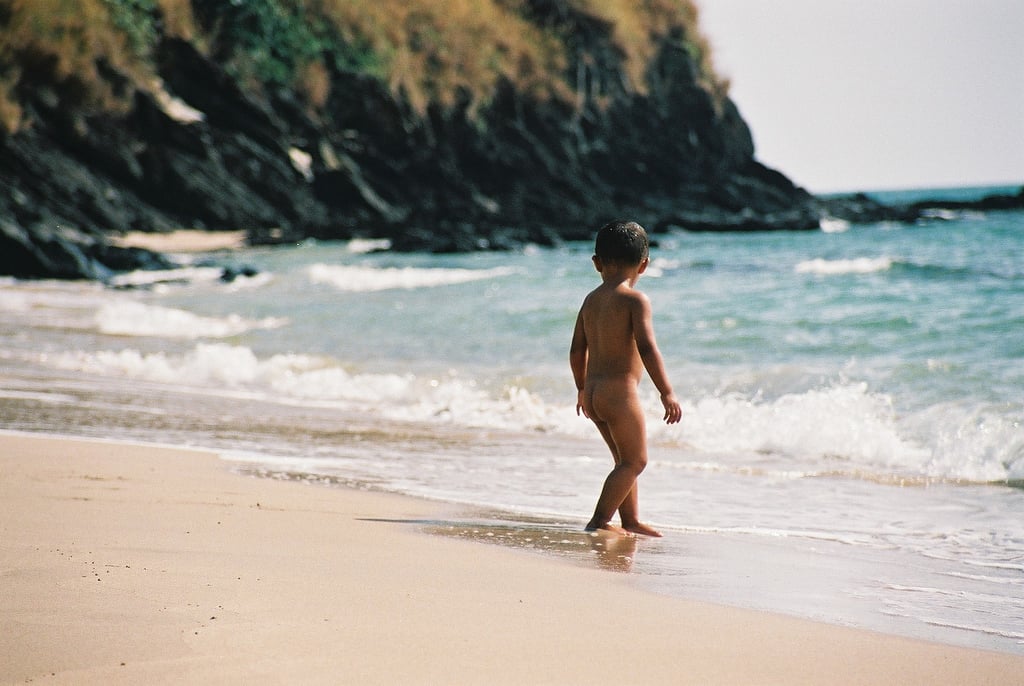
[608, 314]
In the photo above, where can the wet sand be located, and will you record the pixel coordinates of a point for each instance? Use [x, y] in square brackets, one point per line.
[134, 564]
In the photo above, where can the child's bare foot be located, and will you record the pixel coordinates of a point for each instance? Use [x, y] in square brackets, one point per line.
[641, 528]
[608, 528]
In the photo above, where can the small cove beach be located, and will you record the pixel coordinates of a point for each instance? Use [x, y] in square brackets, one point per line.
[127, 563]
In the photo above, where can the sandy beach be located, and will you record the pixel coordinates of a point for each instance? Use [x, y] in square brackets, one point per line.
[183, 241]
[139, 564]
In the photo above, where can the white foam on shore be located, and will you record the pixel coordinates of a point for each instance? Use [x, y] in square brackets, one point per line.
[129, 318]
[859, 265]
[295, 377]
[832, 225]
[363, 279]
[841, 430]
[973, 443]
[855, 428]
[37, 396]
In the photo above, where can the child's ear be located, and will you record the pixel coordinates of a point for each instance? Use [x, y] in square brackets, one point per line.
[597, 262]
[643, 265]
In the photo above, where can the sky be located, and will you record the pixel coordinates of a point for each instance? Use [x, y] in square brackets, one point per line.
[851, 95]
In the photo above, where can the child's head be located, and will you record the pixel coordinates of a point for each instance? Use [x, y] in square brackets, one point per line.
[622, 242]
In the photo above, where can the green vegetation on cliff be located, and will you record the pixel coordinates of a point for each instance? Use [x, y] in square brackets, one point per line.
[93, 53]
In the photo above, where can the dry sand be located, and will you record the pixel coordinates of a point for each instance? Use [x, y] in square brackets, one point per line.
[183, 240]
[144, 565]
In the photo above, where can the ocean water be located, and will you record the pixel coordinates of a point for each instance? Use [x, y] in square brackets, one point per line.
[851, 449]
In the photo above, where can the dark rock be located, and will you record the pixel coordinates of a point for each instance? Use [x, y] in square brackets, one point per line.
[25, 255]
[120, 259]
[743, 221]
[63, 253]
[859, 208]
[230, 273]
[988, 203]
[205, 85]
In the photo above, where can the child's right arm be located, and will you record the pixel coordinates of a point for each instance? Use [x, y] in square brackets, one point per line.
[578, 361]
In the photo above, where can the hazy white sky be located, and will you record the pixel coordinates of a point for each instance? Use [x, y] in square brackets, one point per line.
[845, 95]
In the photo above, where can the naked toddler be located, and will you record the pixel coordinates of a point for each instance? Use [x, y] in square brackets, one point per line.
[612, 344]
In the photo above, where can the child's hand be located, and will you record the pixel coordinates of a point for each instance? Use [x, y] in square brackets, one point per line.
[673, 411]
[580, 408]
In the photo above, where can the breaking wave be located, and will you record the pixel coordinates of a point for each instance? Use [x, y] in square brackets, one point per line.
[860, 265]
[137, 319]
[840, 430]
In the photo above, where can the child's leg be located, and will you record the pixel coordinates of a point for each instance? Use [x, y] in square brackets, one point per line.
[621, 423]
[629, 510]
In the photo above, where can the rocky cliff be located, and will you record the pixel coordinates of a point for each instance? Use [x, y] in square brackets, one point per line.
[441, 126]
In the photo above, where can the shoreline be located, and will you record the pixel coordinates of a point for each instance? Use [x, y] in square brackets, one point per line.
[128, 563]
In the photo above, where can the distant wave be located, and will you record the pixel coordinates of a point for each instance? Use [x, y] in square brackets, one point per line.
[942, 271]
[362, 246]
[362, 279]
[136, 319]
[318, 379]
[834, 225]
[871, 265]
[858, 265]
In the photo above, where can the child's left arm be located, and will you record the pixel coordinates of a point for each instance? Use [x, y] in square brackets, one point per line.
[643, 332]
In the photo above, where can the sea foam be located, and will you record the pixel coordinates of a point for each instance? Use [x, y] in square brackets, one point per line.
[859, 265]
[852, 427]
[129, 318]
[844, 429]
[297, 378]
[361, 279]
[972, 443]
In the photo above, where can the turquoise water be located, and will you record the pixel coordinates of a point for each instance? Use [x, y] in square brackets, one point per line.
[851, 449]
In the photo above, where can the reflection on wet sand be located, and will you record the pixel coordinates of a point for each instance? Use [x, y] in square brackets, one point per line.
[610, 551]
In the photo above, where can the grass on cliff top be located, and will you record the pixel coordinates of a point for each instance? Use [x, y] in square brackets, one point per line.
[441, 52]
[432, 50]
[67, 43]
[636, 26]
[424, 50]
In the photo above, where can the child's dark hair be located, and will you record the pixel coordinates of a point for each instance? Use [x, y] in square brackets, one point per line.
[623, 242]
